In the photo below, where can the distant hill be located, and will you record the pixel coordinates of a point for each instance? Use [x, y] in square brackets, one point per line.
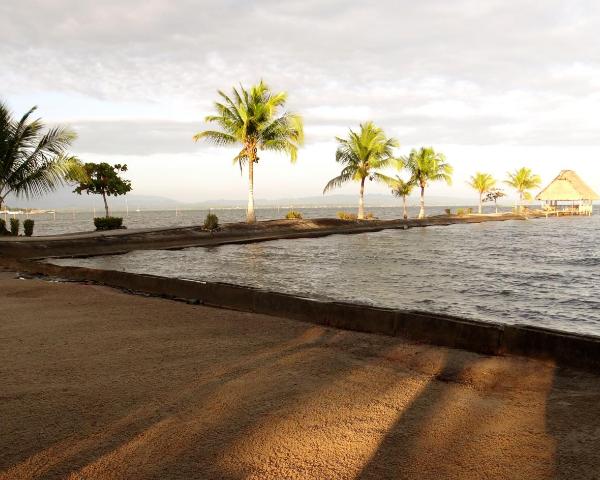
[65, 199]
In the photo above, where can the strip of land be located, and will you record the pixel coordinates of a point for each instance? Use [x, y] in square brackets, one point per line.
[121, 241]
[99, 384]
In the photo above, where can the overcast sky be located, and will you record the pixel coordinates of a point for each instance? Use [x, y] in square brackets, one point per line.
[493, 84]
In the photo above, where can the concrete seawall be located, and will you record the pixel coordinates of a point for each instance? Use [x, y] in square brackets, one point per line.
[575, 350]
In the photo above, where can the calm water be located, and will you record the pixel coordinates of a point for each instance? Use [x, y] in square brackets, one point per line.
[72, 222]
[542, 272]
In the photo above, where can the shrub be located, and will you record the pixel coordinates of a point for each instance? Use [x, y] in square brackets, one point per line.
[108, 223]
[293, 215]
[370, 216]
[14, 226]
[469, 211]
[460, 212]
[448, 211]
[346, 216]
[211, 222]
[28, 227]
[3, 230]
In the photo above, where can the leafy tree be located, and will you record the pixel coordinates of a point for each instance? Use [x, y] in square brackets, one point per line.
[425, 166]
[363, 154]
[483, 183]
[493, 196]
[402, 189]
[33, 158]
[102, 179]
[523, 180]
[255, 119]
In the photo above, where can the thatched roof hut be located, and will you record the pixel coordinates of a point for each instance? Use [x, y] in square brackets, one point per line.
[567, 187]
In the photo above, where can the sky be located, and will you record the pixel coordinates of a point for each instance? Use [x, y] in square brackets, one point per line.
[494, 85]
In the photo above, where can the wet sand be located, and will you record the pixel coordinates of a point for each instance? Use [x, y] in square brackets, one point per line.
[99, 384]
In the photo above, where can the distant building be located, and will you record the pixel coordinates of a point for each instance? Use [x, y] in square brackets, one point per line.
[568, 194]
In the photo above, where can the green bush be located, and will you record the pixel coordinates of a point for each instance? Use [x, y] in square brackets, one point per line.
[14, 226]
[460, 212]
[346, 216]
[448, 211]
[469, 211]
[370, 216]
[293, 215]
[3, 230]
[28, 227]
[108, 223]
[211, 222]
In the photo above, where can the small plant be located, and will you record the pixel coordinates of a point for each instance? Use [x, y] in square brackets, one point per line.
[3, 230]
[346, 216]
[211, 222]
[108, 223]
[370, 216]
[448, 211]
[469, 211]
[28, 227]
[14, 226]
[460, 212]
[293, 215]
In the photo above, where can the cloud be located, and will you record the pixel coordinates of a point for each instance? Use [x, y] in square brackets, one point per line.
[138, 77]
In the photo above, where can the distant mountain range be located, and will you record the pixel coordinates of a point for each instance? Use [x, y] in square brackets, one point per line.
[65, 199]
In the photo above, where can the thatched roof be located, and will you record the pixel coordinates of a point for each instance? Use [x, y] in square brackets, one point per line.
[567, 187]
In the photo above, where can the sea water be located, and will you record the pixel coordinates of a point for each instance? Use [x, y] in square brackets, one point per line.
[543, 272]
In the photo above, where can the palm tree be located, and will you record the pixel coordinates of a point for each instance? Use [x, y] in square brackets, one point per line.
[402, 188]
[362, 154]
[33, 159]
[483, 183]
[254, 119]
[523, 180]
[425, 166]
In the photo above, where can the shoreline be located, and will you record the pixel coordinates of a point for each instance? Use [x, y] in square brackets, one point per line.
[563, 348]
[123, 241]
[576, 350]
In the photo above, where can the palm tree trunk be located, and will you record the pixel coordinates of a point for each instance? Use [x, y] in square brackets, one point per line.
[361, 200]
[480, 203]
[422, 211]
[496, 204]
[250, 215]
[404, 204]
[105, 204]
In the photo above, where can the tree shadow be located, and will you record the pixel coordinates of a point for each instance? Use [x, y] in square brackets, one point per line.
[72, 454]
[573, 420]
[468, 422]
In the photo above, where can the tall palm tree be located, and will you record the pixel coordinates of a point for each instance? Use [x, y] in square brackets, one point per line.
[523, 180]
[425, 166]
[483, 183]
[33, 159]
[255, 119]
[363, 154]
[402, 188]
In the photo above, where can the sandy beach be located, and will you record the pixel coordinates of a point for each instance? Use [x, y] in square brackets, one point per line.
[100, 384]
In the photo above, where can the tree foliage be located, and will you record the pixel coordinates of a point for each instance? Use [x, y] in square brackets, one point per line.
[101, 179]
[482, 182]
[33, 159]
[363, 154]
[256, 120]
[426, 165]
[523, 180]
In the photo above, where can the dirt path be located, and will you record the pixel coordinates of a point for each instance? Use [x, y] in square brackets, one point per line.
[97, 384]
